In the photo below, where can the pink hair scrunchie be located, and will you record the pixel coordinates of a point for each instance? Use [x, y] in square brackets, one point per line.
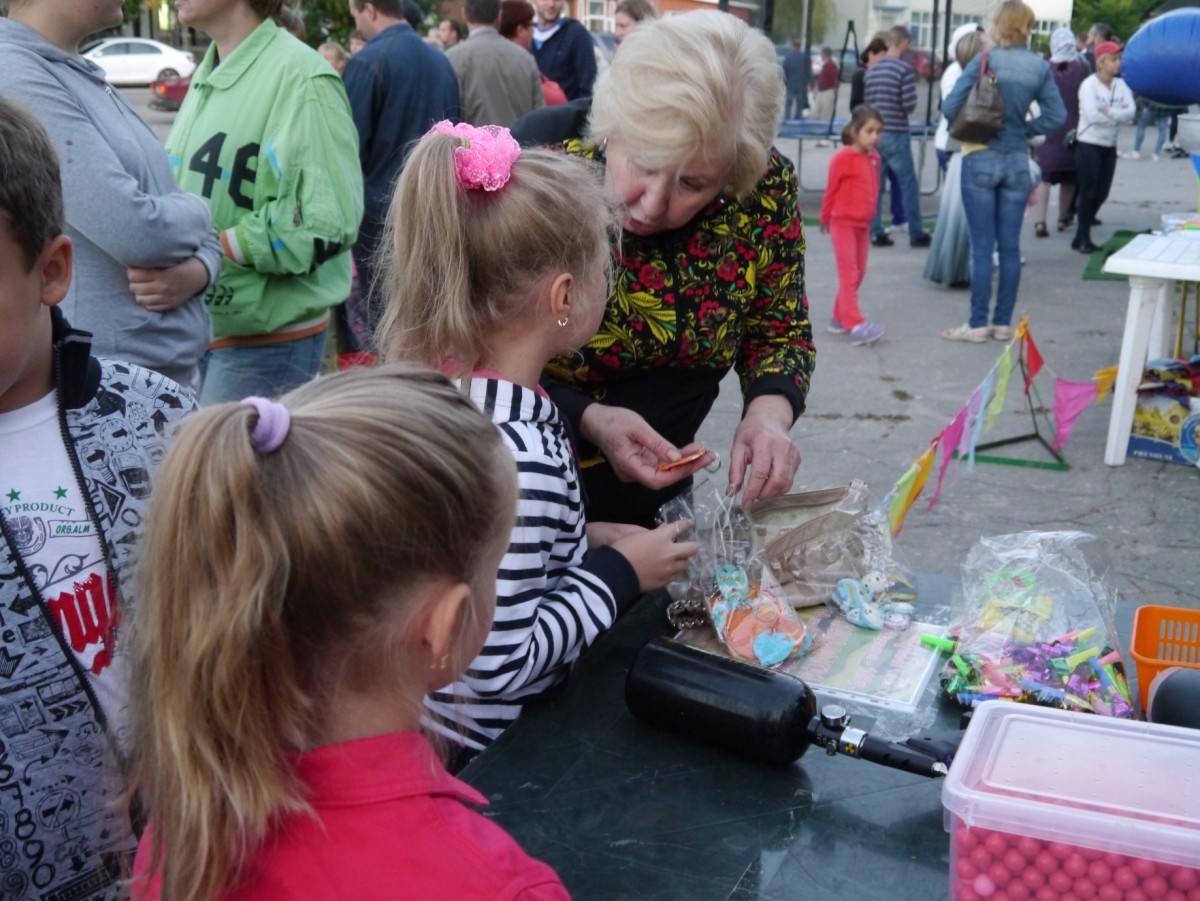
[484, 156]
[272, 426]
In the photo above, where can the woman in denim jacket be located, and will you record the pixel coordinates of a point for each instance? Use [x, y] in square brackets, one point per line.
[995, 176]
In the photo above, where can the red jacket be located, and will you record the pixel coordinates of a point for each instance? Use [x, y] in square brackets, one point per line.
[390, 823]
[853, 189]
[827, 78]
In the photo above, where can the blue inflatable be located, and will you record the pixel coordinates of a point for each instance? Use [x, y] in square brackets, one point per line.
[1162, 60]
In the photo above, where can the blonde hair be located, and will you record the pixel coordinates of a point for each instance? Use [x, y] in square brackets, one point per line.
[1012, 24]
[271, 580]
[970, 46]
[699, 80]
[465, 262]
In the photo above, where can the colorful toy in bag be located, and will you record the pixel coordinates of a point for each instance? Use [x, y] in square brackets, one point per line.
[875, 602]
[1037, 627]
[754, 625]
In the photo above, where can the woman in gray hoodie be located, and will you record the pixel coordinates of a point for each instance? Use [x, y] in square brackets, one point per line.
[145, 252]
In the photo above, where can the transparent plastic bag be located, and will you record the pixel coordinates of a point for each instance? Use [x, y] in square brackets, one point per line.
[1037, 625]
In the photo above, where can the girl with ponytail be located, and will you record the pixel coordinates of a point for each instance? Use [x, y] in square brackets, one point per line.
[316, 565]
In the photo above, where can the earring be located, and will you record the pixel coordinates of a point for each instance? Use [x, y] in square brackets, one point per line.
[445, 661]
[562, 322]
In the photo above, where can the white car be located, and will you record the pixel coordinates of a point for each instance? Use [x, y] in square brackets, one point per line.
[139, 60]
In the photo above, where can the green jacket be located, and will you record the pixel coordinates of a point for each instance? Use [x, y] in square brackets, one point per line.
[267, 139]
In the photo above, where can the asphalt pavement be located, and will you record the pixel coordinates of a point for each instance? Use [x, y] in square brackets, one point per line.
[873, 410]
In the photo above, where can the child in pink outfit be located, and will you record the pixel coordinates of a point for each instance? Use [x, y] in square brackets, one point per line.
[850, 200]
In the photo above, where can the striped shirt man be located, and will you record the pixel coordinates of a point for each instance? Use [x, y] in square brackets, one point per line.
[891, 87]
[551, 602]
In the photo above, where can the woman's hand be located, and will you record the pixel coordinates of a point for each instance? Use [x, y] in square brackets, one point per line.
[762, 442]
[160, 290]
[634, 450]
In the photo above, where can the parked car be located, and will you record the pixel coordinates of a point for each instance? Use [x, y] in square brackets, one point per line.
[168, 94]
[127, 61]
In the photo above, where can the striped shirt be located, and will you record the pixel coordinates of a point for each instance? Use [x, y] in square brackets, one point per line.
[891, 87]
[551, 603]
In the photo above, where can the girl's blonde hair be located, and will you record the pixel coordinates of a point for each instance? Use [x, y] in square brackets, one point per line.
[696, 81]
[1012, 25]
[859, 116]
[465, 262]
[271, 580]
[970, 46]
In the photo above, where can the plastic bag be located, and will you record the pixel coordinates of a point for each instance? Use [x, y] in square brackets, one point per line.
[722, 586]
[1037, 626]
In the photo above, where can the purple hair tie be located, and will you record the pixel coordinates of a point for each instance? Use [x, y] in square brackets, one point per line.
[272, 426]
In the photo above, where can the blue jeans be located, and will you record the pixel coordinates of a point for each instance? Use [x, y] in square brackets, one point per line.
[896, 150]
[995, 188]
[266, 370]
[1151, 116]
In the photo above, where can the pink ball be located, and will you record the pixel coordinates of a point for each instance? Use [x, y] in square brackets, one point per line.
[1085, 888]
[1001, 895]
[1015, 860]
[1060, 881]
[1113, 859]
[1075, 866]
[1155, 886]
[1109, 892]
[1045, 893]
[964, 892]
[999, 874]
[1017, 890]
[1174, 894]
[1185, 879]
[1061, 850]
[1046, 862]
[983, 885]
[1029, 846]
[1033, 878]
[1068, 896]
[1124, 878]
[1099, 872]
[981, 858]
[996, 843]
[966, 838]
[1194, 894]
[1136, 894]
[965, 868]
[1143, 867]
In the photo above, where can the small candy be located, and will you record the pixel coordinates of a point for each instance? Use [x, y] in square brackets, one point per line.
[996, 844]
[1029, 846]
[1143, 868]
[1060, 881]
[983, 885]
[1046, 862]
[1185, 879]
[980, 857]
[1155, 886]
[1075, 866]
[965, 868]
[1099, 872]
[1014, 860]
[1033, 879]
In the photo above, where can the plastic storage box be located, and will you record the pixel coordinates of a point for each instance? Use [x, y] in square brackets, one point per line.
[1043, 803]
[1163, 637]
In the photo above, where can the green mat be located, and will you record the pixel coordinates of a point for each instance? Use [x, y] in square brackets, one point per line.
[1094, 269]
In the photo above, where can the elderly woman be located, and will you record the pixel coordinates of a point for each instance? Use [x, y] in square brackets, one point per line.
[709, 272]
[266, 137]
[995, 176]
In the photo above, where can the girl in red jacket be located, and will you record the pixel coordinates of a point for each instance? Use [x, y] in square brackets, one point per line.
[846, 212]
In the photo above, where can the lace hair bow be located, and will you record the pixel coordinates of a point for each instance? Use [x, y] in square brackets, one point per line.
[484, 156]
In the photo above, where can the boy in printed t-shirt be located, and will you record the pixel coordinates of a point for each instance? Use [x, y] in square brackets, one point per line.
[78, 439]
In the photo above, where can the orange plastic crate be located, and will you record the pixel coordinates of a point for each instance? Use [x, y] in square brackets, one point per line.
[1164, 637]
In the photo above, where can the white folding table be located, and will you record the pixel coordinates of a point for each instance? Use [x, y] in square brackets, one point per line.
[1153, 263]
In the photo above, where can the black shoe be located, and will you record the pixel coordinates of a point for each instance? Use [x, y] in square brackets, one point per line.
[1086, 247]
[922, 240]
[882, 241]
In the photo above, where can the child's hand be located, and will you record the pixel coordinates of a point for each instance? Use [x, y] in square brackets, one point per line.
[824, 228]
[655, 554]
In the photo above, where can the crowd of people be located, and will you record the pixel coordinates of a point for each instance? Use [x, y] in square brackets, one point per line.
[271, 614]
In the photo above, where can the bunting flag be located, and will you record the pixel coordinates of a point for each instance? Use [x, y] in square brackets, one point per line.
[1105, 379]
[1070, 399]
[1033, 361]
[987, 401]
[1003, 370]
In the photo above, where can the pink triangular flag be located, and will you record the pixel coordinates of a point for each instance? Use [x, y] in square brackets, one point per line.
[1070, 399]
[949, 439]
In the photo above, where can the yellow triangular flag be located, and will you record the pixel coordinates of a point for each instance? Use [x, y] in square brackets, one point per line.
[1105, 379]
[1003, 371]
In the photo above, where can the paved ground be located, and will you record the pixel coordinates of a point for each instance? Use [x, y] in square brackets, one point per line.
[873, 410]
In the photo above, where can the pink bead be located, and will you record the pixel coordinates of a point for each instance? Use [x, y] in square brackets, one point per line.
[1174, 894]
[981, 858]
[1136, 894]
[1001, 895]
[1143, 868]
[1075, 866]
[1109, 892]
[996, 843]
[1099, 872]
[1185, 879]
[1060, 881]
[1085, 888]
[1155, 886]
[1045, 893]
[965, 868]
[1124, 878]
[1033, 878]
[1046, 862]
[999, 874]
[1194, 894]
[1029, 846]
[966, 838]
[983, 885]
[1015, 860]
[1061, 850]
[1113, 859]
[964, 892]
[1017, 890]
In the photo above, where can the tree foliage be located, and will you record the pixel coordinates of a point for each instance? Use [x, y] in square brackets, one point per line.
[790, 15]
[1123, 16]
